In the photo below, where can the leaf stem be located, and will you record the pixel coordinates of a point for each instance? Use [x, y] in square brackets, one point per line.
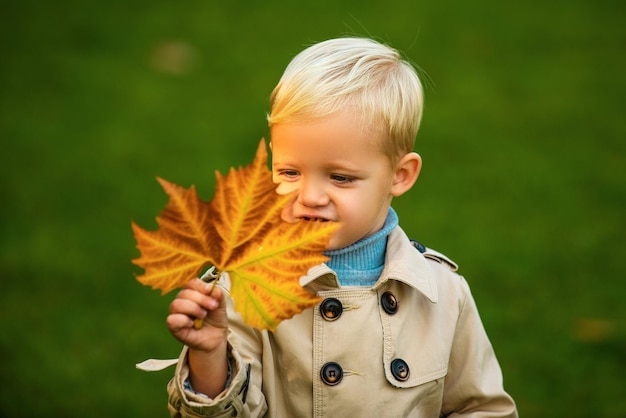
[211, 275]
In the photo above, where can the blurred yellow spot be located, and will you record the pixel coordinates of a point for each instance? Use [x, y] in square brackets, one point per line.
[173, 57]
[593, 329]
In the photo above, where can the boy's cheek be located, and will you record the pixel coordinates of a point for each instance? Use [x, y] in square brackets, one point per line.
[285, 188]
[282, 189]
[287, 215]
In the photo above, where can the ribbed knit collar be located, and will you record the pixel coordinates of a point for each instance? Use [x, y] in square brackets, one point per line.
[361, 263]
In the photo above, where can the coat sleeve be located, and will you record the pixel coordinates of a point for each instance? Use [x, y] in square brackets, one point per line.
[473, 385]
[243, 398]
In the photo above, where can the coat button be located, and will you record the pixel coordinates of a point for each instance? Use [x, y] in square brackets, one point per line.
[389, 302]
[400, 370]
[331, 309]
[419, 246]
[331, 373]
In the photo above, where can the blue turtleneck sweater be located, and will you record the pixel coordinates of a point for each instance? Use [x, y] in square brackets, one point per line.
[361, 263]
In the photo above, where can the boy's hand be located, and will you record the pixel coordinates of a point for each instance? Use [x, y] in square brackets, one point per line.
[199, 300]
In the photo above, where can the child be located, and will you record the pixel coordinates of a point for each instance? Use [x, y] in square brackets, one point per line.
[397, 333]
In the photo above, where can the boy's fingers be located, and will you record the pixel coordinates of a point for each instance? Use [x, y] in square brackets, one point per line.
[195, 284]
[178, 322]
[200, 298]
[200, 286]
[187, 307]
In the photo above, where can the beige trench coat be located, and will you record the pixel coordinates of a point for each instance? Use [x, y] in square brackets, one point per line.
[413, 345]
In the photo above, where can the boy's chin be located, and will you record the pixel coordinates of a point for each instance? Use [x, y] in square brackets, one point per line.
[335, 243]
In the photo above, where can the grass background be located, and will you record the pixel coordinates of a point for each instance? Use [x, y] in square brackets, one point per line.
[523, 185]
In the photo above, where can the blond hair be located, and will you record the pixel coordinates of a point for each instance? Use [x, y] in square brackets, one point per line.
[368, 76]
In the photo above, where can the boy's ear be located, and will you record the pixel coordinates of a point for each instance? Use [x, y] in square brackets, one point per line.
[406, 172]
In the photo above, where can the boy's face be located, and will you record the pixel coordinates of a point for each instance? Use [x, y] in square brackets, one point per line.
[338, 173]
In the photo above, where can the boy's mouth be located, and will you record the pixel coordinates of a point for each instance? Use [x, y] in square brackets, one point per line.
[311, 219]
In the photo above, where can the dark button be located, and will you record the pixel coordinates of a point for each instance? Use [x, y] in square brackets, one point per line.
[419, 246]
[331, 309]
[400, 370]
[331, 373]
[389, 302]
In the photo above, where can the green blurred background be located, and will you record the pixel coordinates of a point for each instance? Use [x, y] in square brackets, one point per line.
[523, 184]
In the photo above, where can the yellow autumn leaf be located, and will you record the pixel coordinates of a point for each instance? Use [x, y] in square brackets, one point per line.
[239, 231]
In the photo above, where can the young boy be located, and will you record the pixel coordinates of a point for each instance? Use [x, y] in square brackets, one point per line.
[397, 333]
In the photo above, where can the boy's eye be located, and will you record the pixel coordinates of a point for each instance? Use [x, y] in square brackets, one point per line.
[288, 173]
[339, 178]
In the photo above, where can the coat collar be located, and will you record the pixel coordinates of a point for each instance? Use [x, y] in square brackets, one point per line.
[403, 263]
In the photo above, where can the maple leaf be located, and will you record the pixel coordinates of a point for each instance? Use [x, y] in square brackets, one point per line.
[240, 231]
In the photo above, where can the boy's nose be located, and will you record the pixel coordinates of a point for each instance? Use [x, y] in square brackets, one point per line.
[312, 195]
